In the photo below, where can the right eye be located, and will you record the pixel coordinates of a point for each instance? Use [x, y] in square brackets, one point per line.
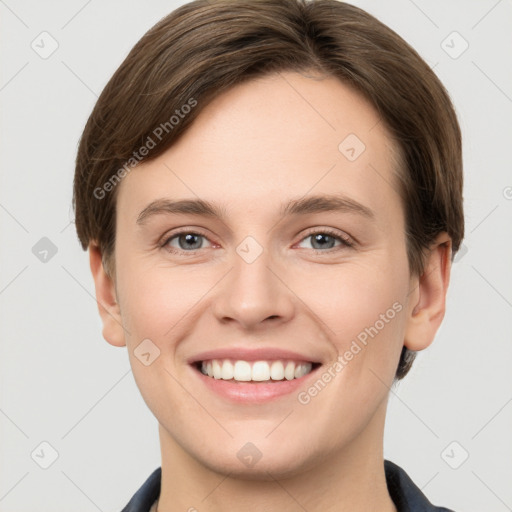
[184, 242]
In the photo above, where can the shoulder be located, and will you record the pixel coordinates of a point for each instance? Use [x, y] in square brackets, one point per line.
[146, 495]
[406, 496]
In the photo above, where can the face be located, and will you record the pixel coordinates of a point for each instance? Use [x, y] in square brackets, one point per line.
[302, 259]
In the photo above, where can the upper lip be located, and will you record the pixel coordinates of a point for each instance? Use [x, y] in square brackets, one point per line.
[255, 354]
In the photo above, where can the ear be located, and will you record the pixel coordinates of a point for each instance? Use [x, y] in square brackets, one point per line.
[428, 295]
[109, 309]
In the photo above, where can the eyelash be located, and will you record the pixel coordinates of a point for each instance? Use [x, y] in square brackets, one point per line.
[345, 241]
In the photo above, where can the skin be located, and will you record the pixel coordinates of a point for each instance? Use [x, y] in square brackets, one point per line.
[253, 148]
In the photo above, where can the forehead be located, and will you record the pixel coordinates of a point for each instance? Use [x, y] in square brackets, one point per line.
[279, 136]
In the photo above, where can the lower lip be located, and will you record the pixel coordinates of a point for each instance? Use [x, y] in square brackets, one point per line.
[254, 392]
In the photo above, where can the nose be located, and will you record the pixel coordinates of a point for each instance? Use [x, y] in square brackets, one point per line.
[253, 294]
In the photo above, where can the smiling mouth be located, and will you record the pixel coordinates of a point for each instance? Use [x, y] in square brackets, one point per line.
[255, 371]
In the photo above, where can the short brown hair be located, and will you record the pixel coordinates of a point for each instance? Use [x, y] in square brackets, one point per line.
[205, 47]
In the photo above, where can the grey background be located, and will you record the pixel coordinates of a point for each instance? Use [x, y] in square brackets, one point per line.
[63, 384]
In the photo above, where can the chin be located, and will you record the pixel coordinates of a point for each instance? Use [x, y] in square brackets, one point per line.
[267, 464]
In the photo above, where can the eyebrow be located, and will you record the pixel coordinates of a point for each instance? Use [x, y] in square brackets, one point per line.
[302, 206]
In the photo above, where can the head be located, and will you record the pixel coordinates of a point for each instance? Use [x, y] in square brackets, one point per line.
[249, 106]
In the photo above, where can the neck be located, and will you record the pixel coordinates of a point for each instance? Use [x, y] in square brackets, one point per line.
[352, 478]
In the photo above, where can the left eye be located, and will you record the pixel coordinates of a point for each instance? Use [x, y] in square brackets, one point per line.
[326, 240]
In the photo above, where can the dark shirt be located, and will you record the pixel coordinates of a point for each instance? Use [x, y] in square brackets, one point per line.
[406, 496]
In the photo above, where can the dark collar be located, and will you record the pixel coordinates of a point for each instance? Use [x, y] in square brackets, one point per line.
[406, 496]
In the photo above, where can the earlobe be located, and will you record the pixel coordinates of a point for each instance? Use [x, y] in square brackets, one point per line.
[109, 309]
[428, 296]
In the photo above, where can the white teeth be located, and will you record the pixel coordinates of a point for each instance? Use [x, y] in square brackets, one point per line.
[258, 371]
[277, 371]
[228, 370]
[242, 371]
[289, 371]
[217, 369]
[301, 370]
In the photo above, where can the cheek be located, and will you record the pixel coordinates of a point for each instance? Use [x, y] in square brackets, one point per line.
[362, 306]
[158, 298]
[364, 310]
[160, 389]
[350, 297]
